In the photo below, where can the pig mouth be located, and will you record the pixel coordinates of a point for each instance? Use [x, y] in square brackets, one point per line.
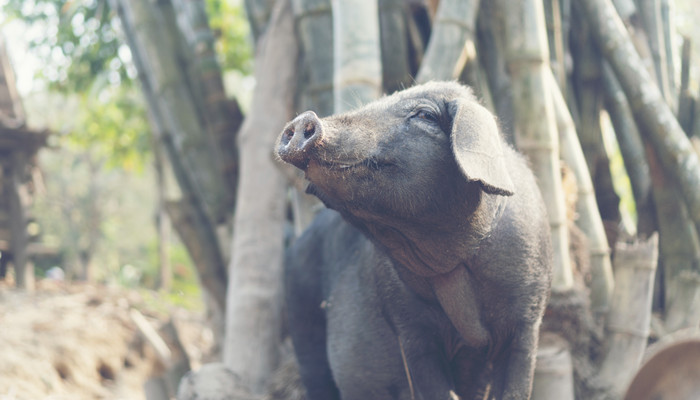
[370, 163]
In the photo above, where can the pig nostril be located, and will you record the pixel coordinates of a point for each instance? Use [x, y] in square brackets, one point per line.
[288, 134]
[309, 130]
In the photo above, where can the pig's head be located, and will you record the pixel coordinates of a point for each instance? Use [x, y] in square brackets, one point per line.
[420, 160]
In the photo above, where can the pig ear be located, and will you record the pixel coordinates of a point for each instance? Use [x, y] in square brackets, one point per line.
[477, 147]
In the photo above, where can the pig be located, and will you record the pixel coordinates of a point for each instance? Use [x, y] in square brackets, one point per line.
[428, 274]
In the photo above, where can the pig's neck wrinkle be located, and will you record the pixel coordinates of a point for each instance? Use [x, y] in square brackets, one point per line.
[429, 251]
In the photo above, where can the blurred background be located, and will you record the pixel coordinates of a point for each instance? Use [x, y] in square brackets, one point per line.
[130, 189]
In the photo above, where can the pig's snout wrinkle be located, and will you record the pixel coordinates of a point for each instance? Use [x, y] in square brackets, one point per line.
[299, 138]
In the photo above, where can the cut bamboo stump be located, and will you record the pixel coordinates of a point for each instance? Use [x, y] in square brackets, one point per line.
[554, 373]
[630, 312]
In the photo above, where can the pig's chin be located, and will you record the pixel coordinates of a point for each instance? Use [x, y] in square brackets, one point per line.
[340, 186]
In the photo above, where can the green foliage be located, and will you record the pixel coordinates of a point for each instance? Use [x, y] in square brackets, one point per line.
[79, 44]
[115, 126]
[230, 26]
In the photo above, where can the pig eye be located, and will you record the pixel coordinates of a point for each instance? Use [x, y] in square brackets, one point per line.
[426, 115]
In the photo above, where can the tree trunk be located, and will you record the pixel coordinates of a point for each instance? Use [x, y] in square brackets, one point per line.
[195, 149]
[602, 281]
[222, 117]
[177, 127]
[657, 122]
[357, 77]
[452, 41]
[254, 306]
[165, 272]
[258, 12]
[535, 124]
[183, 216]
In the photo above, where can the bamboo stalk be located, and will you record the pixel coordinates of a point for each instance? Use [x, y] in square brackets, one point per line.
[630, 313]
[587, 82]
[555, 36]
[565, 8]
[686, 103]
[418, 27]
[696, 119]
[683, 309]
[490, 25]
[632, 149]
[679, 246]
[660, 127]
[668, 27]
[396, 73]
[535, 125]
[452, 40]
[650, 12]
[357, 62]
[314, 26]
[602, 281]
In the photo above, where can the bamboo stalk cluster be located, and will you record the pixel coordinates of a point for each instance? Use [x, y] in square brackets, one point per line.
[550, 70]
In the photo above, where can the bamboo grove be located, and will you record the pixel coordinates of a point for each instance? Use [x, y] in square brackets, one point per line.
[552, 71]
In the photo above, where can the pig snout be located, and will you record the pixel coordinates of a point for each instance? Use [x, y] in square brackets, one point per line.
[299, 139]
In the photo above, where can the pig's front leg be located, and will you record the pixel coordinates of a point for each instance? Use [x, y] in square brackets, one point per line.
[514, 373]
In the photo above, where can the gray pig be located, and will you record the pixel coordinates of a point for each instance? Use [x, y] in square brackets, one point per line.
[431, 276]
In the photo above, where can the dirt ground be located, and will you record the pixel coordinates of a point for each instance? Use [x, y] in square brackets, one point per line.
[79, 342]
